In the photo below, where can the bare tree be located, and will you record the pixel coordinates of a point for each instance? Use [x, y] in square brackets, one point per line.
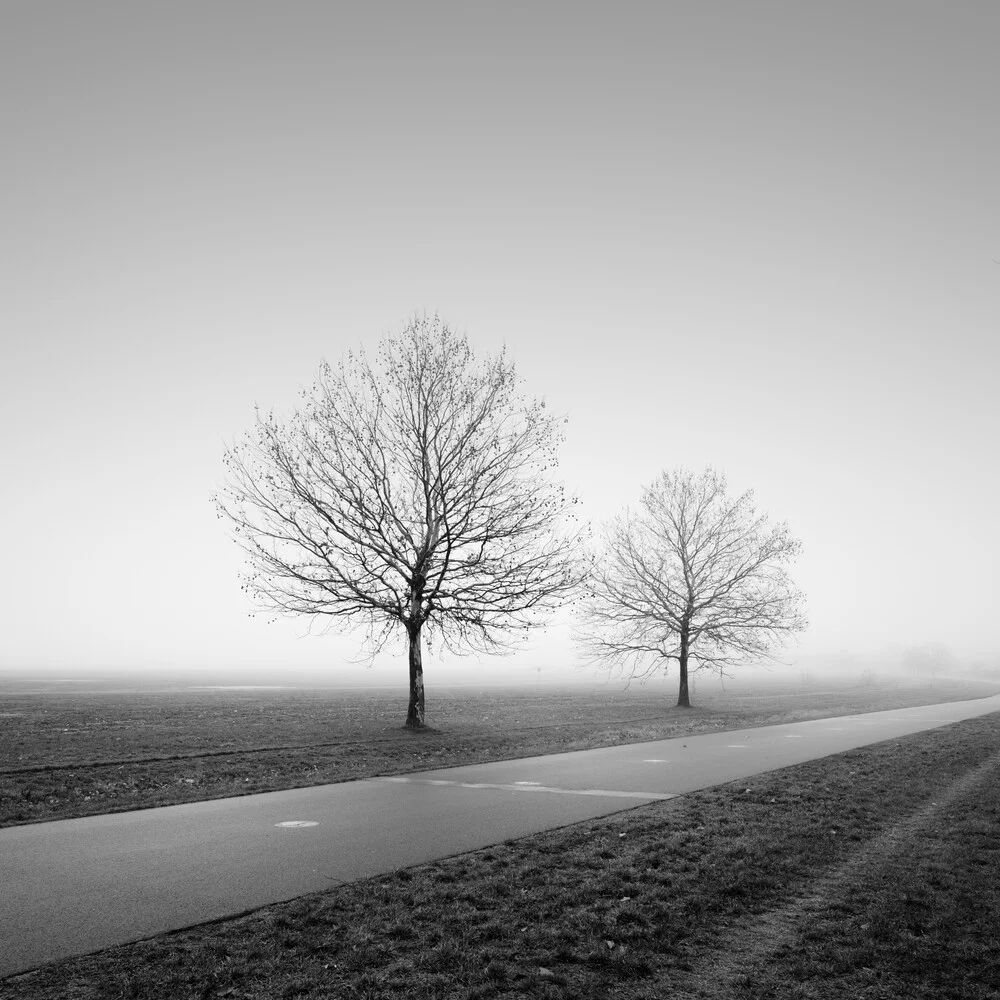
[694, 575]
[929, 658]
[406, 497]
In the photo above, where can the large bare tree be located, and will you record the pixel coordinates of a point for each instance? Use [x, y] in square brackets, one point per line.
[411, 496]
[695, 576]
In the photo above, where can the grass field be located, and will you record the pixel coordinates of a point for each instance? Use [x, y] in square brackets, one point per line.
[79, 753]
[873, 874]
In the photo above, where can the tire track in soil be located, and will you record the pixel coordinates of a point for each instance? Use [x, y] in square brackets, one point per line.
[746, 947]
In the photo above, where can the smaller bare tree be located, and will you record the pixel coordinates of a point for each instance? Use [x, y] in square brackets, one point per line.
[695, 575]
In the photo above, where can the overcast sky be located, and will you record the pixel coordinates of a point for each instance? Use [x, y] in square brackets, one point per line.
[761, 236]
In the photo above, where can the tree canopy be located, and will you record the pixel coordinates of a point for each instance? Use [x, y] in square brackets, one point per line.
[694, 577]
[407, 495]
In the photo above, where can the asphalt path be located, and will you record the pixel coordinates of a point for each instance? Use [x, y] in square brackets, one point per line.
[74, 886]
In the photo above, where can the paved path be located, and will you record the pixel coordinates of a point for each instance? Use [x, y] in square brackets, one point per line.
[78, 885]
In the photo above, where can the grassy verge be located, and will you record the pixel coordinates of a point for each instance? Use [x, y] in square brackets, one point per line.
[872, 874]
[75, 755]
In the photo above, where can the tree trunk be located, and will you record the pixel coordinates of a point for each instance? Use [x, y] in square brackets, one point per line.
[683, 699]
[415, 711]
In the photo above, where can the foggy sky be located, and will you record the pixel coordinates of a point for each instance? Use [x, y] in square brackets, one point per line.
[758, 236]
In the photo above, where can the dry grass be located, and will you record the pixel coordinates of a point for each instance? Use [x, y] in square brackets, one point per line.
[871, 874]
[65, 755]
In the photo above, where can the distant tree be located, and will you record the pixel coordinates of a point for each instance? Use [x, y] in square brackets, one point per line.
[694, 577]
[408, 496]
[928, 658]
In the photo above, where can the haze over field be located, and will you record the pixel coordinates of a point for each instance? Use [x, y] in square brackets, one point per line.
[762, 237]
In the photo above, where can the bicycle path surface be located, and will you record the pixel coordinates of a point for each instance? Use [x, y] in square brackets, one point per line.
[75, 886]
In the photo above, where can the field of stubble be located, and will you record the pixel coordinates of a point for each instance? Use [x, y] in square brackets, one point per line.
[66, 753]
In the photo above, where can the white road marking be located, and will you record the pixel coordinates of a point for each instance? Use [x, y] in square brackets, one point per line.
[527, 782]
[655, 760]
[532, 788]
[297, 822]
[794, 736]
[737, 746]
